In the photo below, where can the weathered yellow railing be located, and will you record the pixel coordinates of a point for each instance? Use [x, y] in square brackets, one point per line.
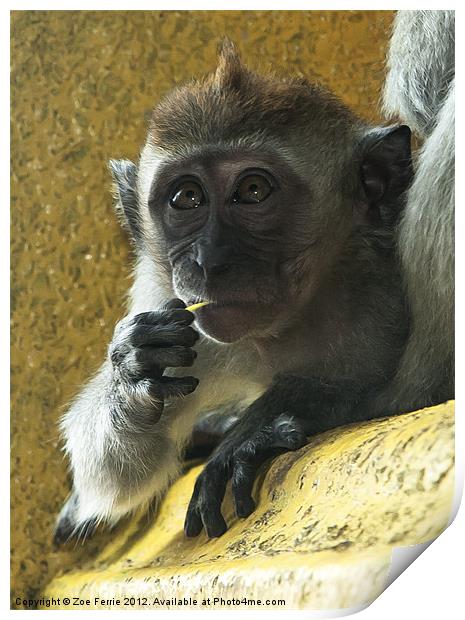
[327, 519]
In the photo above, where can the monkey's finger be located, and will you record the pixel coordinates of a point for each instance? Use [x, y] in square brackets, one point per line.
[176, 315]
[242, 482]
[288, 433]
[150, 359]
[206, 500]
[193, 523]
[210, 512]
[175, 387]
[247, 459]
[163, 335]
[174, 303]
[214, 481]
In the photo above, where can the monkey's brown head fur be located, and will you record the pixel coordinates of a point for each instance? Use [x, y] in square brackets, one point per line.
[229, 105]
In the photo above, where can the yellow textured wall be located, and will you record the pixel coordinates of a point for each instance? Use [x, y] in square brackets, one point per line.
[82, 83]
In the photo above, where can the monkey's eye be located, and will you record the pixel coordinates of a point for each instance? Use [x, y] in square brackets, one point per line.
[189, 195]
[252, 189]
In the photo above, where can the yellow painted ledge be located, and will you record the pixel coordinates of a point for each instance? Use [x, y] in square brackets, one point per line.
[327, 519]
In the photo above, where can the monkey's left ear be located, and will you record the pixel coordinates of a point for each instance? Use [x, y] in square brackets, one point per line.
[385, 172]
[124, 175]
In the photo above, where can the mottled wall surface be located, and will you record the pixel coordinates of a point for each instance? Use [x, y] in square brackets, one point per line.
[82, 86]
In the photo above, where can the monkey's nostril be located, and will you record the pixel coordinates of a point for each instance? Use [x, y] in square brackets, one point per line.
[210, 270]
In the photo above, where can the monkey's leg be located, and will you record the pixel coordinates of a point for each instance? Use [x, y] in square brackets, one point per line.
[209, 430]
[278, 421]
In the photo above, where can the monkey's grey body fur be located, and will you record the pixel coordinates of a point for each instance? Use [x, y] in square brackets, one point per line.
[420, 89]
[421, 67]
[122, 456]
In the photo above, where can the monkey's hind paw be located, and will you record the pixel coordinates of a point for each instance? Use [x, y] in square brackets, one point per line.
[67, 527]
[66, 530]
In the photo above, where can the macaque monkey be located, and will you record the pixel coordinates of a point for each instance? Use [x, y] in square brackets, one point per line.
[269, 199]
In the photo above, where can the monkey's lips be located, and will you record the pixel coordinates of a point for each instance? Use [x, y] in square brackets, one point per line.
[228, 322]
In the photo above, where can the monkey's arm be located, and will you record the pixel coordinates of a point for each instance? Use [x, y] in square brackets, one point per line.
[280, 420]
[118, 442]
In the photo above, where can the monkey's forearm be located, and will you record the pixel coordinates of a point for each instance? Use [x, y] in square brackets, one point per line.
[318, 404]
[119, 457]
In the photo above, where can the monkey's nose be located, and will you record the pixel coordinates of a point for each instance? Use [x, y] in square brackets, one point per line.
[214, 269]
[214, 261]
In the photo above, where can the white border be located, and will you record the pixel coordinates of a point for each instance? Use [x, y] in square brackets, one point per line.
[430, 588]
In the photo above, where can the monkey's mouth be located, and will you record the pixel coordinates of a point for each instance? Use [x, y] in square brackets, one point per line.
[228, 322]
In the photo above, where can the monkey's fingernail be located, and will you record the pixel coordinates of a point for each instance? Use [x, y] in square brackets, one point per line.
[195, 307]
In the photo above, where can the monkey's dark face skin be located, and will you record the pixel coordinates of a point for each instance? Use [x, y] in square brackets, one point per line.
[231, 225]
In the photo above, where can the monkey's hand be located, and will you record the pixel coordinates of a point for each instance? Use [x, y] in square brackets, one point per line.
[143, 346]
[251, 441]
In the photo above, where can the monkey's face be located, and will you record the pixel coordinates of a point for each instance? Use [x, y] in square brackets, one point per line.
[231, 225]
[254, 224]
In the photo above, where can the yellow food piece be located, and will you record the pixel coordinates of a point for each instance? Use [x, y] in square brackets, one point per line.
[195, 307]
